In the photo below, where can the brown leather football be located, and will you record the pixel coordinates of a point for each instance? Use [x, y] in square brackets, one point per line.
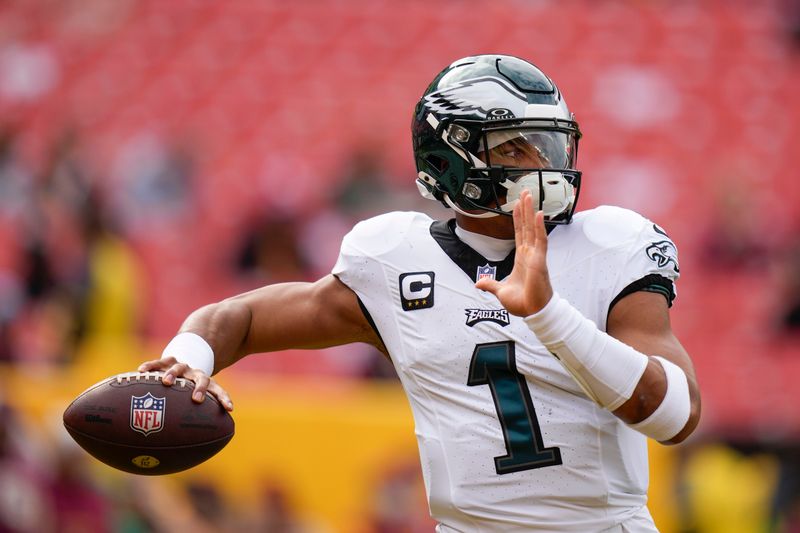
[134, 423]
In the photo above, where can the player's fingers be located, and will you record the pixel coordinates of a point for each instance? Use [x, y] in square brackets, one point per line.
[201, 382]
[517, 216]
[541, 233]
[220, 394]
[527, 218]
[156, 364]
[488, 285]
[177, 370]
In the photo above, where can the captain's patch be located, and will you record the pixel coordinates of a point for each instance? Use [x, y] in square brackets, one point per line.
[416, 290]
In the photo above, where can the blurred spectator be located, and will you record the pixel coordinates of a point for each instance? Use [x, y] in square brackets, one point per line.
[272, 513]
[16, 182]
[42, 333]
[364, 189]
[792, 21]
[399, 502]
[11, 301]
[276, 514]
[66, 184]
[360, 190]
[24, 505]
[785, 509]
[735, 239]
[271, 252]
[38, 325]
[79, 505]
[729, 487]
[130, 512]
[378, 366]
[15, 196]
[209, 506]
[111, 307]
[788, 289]
[163, 505]
[78, 276]
[57, 247]
[153, 188]
[319, 239]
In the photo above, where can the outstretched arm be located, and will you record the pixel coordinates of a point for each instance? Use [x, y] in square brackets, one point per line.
[628, 370]
[641, 320]
[276, 317]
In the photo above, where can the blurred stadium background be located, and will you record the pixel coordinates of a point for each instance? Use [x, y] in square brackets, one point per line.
[158, 155]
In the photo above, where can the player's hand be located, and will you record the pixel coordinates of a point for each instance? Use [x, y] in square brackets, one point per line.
[527, 289]
[202, 382]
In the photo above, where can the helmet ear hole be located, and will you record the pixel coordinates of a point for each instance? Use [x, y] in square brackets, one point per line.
[440, 164]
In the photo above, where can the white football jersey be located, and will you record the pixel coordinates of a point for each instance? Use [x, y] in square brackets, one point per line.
[508, 441]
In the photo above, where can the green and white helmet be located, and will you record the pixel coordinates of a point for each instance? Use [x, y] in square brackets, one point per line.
[477, 104]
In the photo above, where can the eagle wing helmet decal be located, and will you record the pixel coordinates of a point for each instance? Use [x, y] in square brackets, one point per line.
[470, 97]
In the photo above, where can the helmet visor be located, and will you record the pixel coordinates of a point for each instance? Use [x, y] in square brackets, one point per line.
[528, 148]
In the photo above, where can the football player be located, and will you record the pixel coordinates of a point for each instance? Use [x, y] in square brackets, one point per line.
[533, 341]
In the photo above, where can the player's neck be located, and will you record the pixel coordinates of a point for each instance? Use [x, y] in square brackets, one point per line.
[491, 248]
[499, 227]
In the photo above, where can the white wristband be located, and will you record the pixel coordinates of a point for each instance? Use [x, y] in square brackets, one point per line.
[605, 368]
[191, 349]
[673, 411]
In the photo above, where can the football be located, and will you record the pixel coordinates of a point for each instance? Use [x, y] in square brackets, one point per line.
[134, 423]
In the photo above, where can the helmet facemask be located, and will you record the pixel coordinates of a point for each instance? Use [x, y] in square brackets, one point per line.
[505, 157]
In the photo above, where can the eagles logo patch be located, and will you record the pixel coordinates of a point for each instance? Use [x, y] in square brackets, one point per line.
[663, 253]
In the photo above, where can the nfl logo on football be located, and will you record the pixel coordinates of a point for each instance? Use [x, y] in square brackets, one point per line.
[486, 271]
[147, 413]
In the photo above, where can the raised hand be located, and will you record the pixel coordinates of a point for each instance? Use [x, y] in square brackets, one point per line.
[202, 382]
[527, 289]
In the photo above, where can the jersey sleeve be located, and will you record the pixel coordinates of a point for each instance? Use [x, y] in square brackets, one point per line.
[367, 263]
[651, 264]
[368, 255]
[359, 265]
[350, 260]
[356, 265]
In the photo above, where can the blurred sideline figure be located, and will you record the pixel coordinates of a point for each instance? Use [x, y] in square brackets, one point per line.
[535, 349]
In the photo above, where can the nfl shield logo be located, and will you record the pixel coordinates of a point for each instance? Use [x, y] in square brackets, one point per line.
[147, 413]
[486, 272]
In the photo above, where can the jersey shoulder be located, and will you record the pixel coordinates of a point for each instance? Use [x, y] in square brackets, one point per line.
[638, 246]
[609, 226]
[376, 245]
[381, 234]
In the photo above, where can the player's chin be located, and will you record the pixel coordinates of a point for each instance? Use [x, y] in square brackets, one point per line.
[505, 223]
